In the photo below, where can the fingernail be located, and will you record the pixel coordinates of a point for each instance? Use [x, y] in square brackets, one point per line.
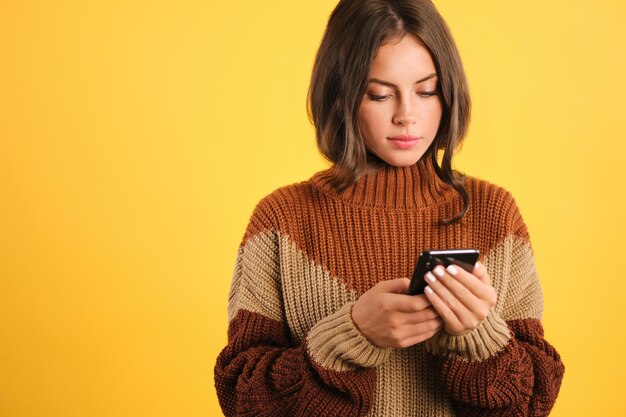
[478, 265]
[428, 290]
[430, 278]
[452, 270]
[439, 271]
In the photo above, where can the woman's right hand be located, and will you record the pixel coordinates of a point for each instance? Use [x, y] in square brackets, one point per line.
[388, 317]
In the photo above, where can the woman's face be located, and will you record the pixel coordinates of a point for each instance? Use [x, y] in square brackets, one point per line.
[401, 110]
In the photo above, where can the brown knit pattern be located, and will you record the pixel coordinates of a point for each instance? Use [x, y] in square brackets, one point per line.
[309, 253]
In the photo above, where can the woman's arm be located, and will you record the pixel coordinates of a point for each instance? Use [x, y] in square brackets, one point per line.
[262, 371]
[502, 366]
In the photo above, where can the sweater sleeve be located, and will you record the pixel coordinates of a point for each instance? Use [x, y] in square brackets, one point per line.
[504, 366]
[262, 371]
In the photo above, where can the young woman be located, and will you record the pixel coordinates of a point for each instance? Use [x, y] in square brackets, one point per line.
[320, 320]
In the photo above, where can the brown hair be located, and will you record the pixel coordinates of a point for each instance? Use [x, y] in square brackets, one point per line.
[355, 31]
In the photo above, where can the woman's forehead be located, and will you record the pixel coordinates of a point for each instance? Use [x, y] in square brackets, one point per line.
[403, 57]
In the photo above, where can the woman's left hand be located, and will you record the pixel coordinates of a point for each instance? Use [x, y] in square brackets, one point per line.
[462, 299]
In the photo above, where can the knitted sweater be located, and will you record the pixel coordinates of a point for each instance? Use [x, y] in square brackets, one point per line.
[308, 254]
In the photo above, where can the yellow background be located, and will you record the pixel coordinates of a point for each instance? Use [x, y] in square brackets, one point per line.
[137, 136]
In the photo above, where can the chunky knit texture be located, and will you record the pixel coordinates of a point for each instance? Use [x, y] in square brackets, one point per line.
[309, 253]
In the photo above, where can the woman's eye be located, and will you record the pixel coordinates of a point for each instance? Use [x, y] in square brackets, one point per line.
[427, 93]
[374, 97]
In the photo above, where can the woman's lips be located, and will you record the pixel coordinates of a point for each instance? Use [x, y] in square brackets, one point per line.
[404, 141]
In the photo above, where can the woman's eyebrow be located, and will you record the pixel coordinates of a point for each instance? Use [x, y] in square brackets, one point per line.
[388, 84]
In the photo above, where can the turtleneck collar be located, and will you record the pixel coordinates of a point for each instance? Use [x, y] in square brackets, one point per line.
[392, 187]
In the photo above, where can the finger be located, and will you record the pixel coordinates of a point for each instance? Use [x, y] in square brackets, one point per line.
[442, 307]
[422, 332]
[480, 271]
[426, 314]
[440, 286]
[464, 282]
[411, 330]
[396, 286]
[458, 290]
[404, 303]
[419, 338]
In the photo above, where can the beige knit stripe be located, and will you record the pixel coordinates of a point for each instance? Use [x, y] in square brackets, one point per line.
[260, 280]
[519, 296]
[406, 386]
[311, 297]
[255, 285]
[234, 303]
[524, 286]
[257, 276]
[310, 292]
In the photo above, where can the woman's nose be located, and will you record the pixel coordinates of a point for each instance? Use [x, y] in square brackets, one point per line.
[405, 115]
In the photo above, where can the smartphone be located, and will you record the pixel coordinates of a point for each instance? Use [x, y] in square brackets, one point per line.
[429, 259]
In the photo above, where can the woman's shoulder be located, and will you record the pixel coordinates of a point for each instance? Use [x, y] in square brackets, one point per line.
[485, 188]
[494, 203]
[291, 194]
[488, 193]
[272, 212]
[287, 200]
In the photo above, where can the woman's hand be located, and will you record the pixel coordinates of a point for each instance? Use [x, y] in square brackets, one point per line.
[388, 317]
[461, 298]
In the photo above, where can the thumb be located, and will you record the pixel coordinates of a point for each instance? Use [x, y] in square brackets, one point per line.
[397, 286]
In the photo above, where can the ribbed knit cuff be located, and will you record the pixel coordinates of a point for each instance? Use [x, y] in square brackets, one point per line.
[335, 343]
[489, 338]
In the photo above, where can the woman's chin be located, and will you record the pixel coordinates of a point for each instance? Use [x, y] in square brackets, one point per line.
[403, 161]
